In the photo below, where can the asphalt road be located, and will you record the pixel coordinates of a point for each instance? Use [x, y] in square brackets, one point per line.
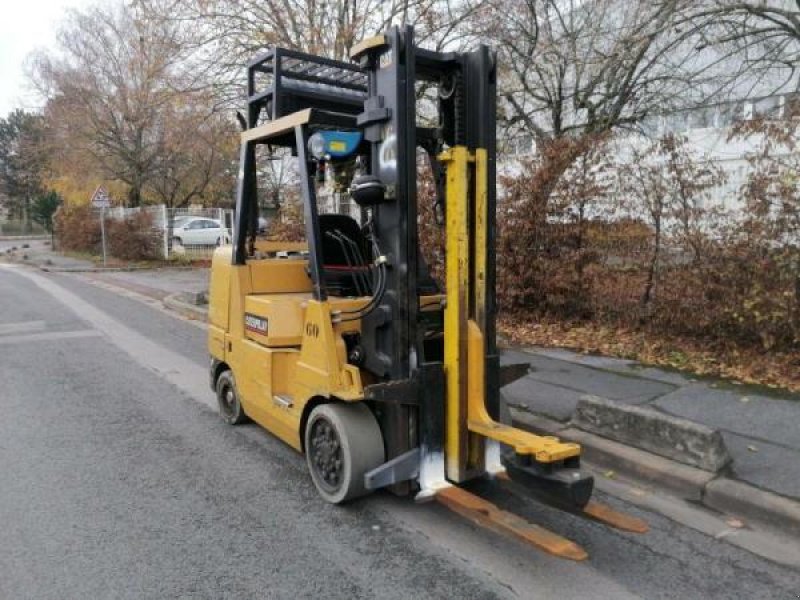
[117, 480]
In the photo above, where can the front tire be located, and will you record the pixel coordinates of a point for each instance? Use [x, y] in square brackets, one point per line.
[230, 407]
[343, 443]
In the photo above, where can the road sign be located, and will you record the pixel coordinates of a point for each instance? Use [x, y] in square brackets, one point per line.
[100, 198]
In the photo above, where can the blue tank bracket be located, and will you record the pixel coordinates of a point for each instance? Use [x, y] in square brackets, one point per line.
[334, 144]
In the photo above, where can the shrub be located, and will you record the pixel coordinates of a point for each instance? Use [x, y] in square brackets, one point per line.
[77, 228]
[288, 225]
[663, 263]
[133, 238]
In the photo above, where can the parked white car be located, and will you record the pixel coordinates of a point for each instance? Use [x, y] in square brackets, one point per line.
[200, 231]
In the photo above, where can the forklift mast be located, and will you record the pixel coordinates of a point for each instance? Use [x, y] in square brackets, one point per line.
[466, 107]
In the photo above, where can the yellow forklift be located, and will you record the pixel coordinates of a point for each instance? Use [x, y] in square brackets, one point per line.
[343, 346]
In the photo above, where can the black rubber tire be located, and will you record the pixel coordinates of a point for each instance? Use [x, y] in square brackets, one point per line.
[338, 469]
[230, 408]
[177, 240]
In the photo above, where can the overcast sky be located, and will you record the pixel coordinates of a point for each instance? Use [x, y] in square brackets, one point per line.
[24, 26]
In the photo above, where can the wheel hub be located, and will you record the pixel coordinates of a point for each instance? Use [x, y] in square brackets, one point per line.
[327, 454]
[228, 399]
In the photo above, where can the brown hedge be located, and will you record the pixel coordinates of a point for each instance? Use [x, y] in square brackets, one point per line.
[77, 229]
[133, 238]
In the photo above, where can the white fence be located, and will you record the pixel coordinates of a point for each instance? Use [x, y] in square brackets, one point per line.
[189, 232]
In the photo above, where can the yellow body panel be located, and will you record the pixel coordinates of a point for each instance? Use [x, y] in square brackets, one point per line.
[297, 355]
[282, 317]
[278, 276]
[322, 368]
[364, 45]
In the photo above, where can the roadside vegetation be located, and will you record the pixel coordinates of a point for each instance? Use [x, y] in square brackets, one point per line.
[675, 280]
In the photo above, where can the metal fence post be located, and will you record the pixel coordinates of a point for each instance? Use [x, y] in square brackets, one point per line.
[103, 231]
[165, 230]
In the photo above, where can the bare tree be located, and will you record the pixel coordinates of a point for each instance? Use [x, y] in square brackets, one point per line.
[229, 33]
[670, 186]
[195, 159]
[570, 68]
[764, 34]
[121, 89]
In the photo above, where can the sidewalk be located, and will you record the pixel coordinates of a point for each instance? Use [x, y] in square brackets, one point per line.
[760, 428]
[161, 282]
[38, 252]
[157, 282]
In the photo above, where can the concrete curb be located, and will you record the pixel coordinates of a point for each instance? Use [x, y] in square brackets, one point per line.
[681, 480]
[56, 269]
[741, 499]
[53, 268]
[176, 303]
[23, 238]
[721, 494]
[648, 429]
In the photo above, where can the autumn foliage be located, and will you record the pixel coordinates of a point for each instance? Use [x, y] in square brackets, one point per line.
[645, 249]
[77, 229]
[134, 238]
[288, 225]
[638, 260]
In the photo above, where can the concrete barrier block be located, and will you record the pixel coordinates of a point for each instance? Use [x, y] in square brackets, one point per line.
[679, 439]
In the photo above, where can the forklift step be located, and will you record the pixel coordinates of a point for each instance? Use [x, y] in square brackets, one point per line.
[484, 513]
[282, 400]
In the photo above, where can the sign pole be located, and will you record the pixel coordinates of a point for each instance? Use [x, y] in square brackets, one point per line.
[103, 231]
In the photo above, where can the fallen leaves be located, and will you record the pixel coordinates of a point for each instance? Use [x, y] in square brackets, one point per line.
[741, 365]
[735, 523]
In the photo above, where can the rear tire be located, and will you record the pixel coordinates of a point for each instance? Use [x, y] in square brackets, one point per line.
[343, 443]
[230, 408]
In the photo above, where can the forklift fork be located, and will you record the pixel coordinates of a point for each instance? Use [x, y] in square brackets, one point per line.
[548, 467]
